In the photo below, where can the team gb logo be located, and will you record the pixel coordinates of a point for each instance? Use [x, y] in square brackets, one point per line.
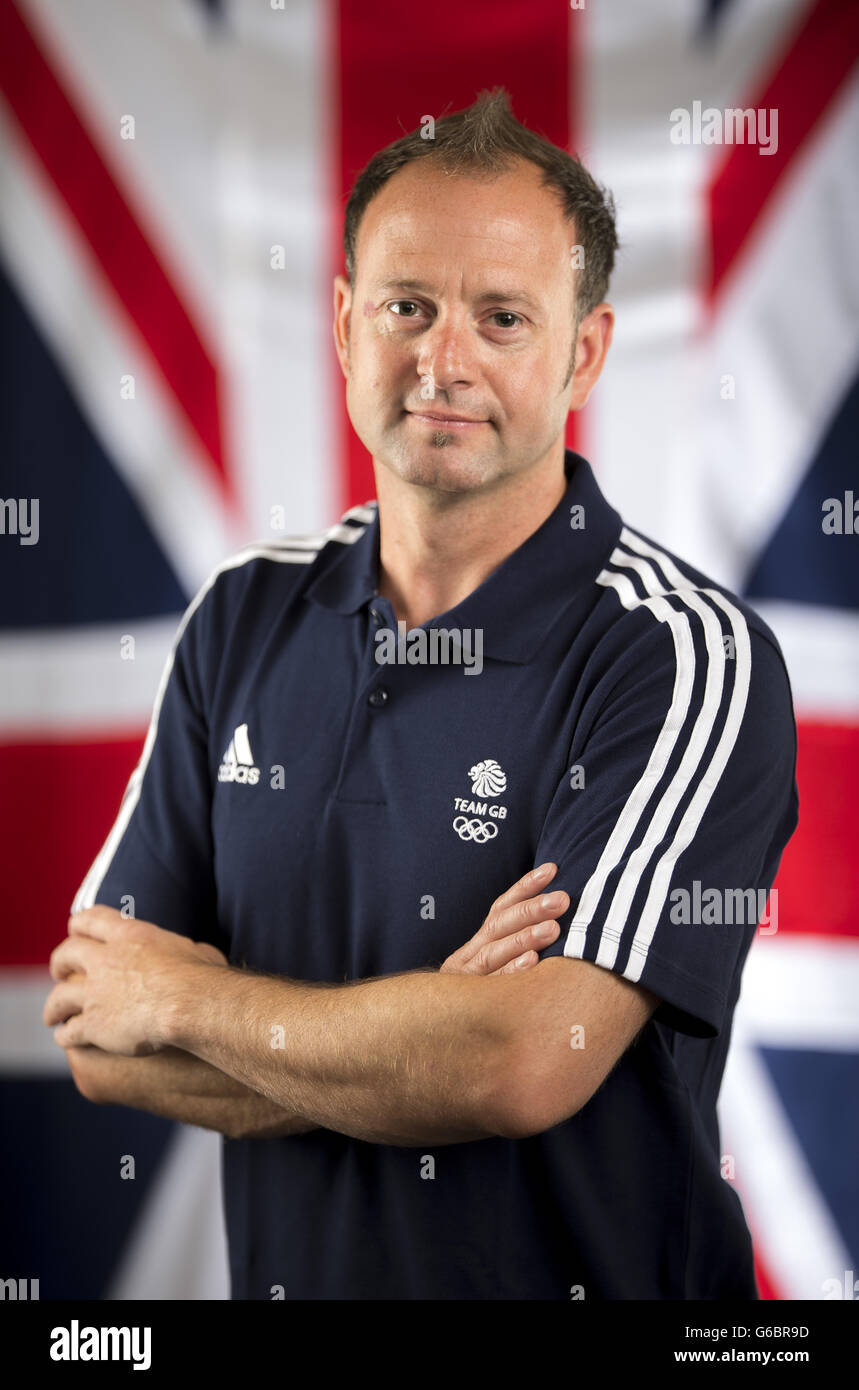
[487, 778]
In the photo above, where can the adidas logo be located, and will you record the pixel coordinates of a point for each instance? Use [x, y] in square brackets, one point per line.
[238, 764]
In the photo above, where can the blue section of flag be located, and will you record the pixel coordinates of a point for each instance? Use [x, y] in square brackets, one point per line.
[95, 560]
[67, 1212]
[802, 562]
[815, 1089]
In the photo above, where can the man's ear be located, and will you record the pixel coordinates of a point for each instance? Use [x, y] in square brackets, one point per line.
[594, 340]
[342, 316]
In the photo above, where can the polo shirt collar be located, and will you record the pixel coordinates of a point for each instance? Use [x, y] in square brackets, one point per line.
[521, 600]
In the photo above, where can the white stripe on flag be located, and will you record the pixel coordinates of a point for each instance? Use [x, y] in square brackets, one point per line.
[75, 679]
[801, 991]
[221, 193]
[821, 652]
[27, 1046]
[783, 1204]
[792, 353]
[178, 1248]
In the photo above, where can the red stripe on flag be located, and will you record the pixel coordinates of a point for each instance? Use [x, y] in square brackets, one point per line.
[398, 62]
[767, 1287]
[806, 80]
[122, 251]
[818, 882]
[60, 800]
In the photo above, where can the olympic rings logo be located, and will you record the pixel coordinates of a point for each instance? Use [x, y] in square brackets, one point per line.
[478, 830]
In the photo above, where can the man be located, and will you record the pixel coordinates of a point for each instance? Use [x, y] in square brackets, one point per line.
[364, 737]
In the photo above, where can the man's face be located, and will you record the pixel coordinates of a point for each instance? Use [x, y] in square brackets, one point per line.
[462, 306]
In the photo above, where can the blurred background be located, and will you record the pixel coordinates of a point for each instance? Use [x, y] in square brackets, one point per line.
[172, 184]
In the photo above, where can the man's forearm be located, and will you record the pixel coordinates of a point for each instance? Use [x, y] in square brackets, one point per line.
[404, 1059]
[182, 1087]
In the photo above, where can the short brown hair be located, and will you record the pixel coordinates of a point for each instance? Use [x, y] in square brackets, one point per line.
[486, 138]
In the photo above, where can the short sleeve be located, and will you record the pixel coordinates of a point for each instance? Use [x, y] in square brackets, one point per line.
[157, 862]
[677, 803]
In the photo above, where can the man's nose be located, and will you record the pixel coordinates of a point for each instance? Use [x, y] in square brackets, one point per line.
[448, 353]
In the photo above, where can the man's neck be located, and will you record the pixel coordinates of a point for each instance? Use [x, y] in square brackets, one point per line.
[437, 549]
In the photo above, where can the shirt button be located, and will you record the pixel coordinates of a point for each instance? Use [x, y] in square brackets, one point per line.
[375, 615]
[378, 697]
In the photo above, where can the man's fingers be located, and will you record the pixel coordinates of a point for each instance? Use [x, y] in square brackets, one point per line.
[68, 957]
[533, 882]
[501, 918]
[98, 922]
[523, 962]
[493, 955]
[513, 929]
[488, 956]
[64, 1001]
[519, 924]
[518, 908]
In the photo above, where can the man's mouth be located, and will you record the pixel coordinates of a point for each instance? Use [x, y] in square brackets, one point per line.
[441, 421]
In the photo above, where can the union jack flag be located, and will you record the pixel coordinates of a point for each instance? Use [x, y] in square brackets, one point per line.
[173, 185]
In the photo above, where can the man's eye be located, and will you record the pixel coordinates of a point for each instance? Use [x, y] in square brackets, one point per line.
[506, 314]
[409, 304]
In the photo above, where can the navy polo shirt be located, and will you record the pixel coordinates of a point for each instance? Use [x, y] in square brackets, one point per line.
[321, 815]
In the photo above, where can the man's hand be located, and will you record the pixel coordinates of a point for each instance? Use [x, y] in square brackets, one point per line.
[115, 976]
[518, 925]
